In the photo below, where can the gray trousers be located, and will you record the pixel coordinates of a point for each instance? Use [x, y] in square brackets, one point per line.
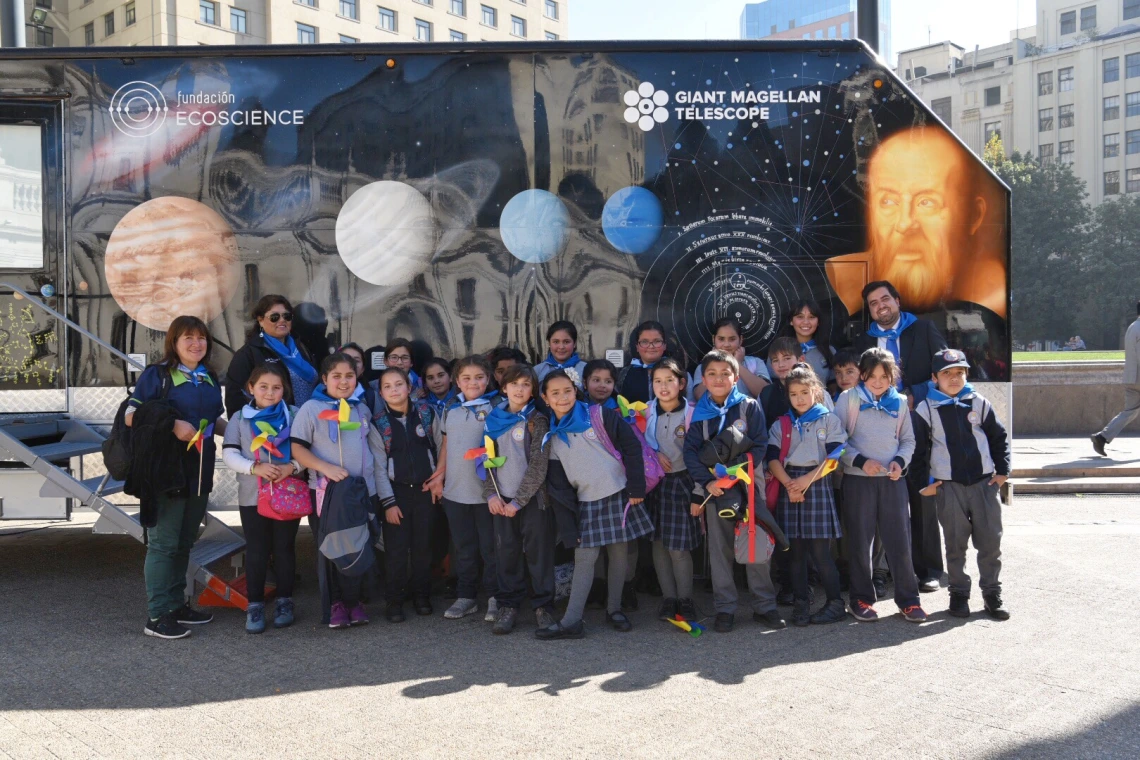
[722, 558]
[1120, 421]
[971, 512]
[878, 504]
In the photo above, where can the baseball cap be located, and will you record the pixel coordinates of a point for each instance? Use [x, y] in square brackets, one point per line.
[949, 357]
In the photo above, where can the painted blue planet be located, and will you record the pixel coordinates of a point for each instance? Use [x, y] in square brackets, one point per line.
[632, 219]
[535, 226]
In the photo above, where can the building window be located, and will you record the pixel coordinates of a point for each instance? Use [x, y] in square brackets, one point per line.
[310, 3]
[1132, 104]
[1045, 120]
[846, 30]
[423, 30]
[1065, 152]
[45, 4]
[458, 36]
[1132, 65]
[387, 20]
[1045, 83]
[993, 96]
[1046, 154]
[45, 36]
[129, 14]
[993, 129]
[348, 9]
[1112, 108]
[1064, 117]
[306, 35]
[345, 39]
[551, 9]
[919, 71]
[1132, 141]
[1132, 181]
[237, 20]
[489, 16]
[207, 12]
[1112, 183]
[1088, 18]
[1065, 79]
[1069, 22]
[1131, 8]
[459, 7]
[831, 32]
[1112, 145]
[109, 24]
[1111, 69]
[518, 26]
[942, 109]
[551, 36]
[89, 34]
[424, 2]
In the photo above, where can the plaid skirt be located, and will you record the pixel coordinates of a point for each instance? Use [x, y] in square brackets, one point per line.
[816, 516]
[673, 524]
[600, 522]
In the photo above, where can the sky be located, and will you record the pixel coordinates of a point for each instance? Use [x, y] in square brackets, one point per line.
[965, 22]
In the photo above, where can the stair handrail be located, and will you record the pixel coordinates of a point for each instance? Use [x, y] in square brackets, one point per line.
[74, 326]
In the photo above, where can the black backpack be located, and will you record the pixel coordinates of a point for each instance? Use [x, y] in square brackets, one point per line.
[117, 451]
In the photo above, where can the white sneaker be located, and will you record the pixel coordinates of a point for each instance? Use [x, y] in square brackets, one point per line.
[492, 610]
[461, 608]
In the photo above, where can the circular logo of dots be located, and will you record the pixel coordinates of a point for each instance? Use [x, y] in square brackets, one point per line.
[138, 109]
[646, 106]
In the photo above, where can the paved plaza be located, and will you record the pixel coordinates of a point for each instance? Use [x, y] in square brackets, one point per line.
[1060, 679]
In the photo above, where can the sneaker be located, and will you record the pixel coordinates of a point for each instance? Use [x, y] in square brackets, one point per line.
[357, 615]
[880, 584]
[492, 611]
[668, 609]
[928, 586]
[628, 597]
[960, 605]
[187, 615]
[784, 597]
[339, 616]
[994, 608]
[166, 627]
[255, 618]
[771, 618]
[557, 631]
[724, 622]
[801, 613]
[461, 608]
[543, 617]
[505, 621]
[394, 613]
[283, 612]
[423, 606]
[863, 612]
[1098, 442]
[687, 609]
[914, 614]
[832, 612]
[619, 621]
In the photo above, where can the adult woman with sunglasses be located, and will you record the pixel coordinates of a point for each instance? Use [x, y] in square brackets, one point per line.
[270, 340]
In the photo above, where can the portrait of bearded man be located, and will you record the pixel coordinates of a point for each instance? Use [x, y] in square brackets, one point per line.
[935, 227]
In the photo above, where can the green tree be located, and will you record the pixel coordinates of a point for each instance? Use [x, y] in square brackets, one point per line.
[1109, 272]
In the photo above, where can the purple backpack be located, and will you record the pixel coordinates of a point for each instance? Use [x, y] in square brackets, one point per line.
[654, 473]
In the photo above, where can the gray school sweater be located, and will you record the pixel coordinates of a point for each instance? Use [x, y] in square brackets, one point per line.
[808, 447]
[589, 466]
[874, 435]
[364, 455]
[671, 434]
[464, 427]
[524, 473]
[237, 456]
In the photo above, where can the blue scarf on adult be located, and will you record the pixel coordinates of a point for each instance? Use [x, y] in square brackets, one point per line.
[196, 375]
[570, 363]
[441, 404]
[906, 319]
[890, 403]
[291, 355]
[501, 419]
[937, 398]
[811, 415]
[577, 421]
[277, 417]
[707, 409]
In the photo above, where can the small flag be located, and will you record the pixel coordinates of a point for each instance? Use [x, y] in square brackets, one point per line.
[832, 462]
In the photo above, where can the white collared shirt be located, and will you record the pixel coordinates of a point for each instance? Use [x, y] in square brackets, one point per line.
[883, 341]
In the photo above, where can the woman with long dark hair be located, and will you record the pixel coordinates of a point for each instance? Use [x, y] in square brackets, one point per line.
[811, 328]
[271, 340]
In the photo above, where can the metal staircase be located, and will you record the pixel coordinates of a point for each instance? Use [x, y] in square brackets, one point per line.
[45, 444]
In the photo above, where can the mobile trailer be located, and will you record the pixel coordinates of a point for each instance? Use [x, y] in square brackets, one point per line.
[466, 196]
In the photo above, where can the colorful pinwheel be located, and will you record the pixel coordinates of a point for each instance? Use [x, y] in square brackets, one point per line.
[269, 438]
[693, 629]
[729, 476]
[633, 412]
[205, 430]
[485, 458]
[339, 419]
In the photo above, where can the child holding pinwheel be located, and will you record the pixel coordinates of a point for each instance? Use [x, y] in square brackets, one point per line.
[515, 468]
[332, 439]
[256, 447]
[806, 506]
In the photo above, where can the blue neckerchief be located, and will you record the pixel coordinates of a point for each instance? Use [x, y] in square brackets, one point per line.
[707, 408]
[196, 375]
[906, 319]
[610, 403]
[577, 421]
[501, 419]
[811, 415]
[320, 393]
[651, 421]
[291, 355]
[486, 398]
[937, 398]
[639, 363]
[570, 363]
[414, 379]
[277, 417]
[807, 346]
[890, 403]
[442, 403]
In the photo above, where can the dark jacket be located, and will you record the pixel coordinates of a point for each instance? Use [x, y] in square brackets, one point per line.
[755, 429]
[967, 463]
[254, 352]
[156, 458]
[917, 344]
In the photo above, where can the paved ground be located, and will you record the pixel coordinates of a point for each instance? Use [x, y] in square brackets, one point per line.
[1061, 679]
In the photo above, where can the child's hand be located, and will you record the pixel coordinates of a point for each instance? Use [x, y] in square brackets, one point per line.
[495, 504]
[334, 473]
[714, 489]
[183, 430]
[802, 483]
[998, 480]
[510, 509]
[666, 462]
[436, 477]
[895, 471]
[266, 470]
[696, 509]
[635, 501]
[871, 467]
[931, 489]
[436, 490]
[283, 471]
[393, 515]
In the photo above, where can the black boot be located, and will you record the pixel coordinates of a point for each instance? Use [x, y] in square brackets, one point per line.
[993, 606]
[801, 613]
[959, 605]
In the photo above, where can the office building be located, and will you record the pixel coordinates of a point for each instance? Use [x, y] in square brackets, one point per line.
[810, 19]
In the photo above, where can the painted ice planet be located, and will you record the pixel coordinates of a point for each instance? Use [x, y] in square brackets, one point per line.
[385, 234]
[535, 226]
[632, 219]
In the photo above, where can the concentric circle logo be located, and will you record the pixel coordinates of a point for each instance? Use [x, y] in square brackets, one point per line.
[138, 109]
[646, 106]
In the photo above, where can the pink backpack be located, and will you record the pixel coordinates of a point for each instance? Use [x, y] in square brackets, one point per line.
[654, 473]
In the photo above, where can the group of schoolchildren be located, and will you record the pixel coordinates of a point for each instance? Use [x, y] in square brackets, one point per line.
[588, 456]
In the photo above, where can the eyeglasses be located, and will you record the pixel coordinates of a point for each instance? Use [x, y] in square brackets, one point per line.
[650, 343]
[398, 358]
[277, 316]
